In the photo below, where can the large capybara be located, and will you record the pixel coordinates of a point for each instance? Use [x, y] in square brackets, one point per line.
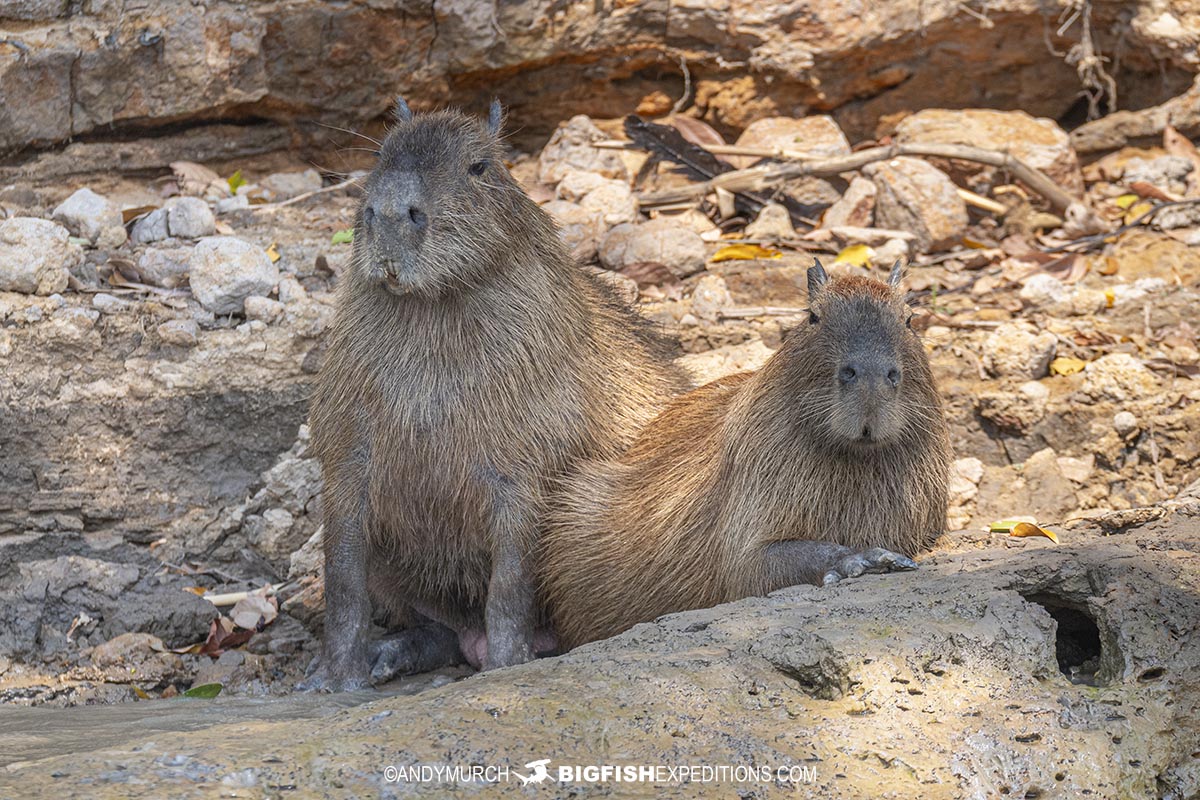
[830, 461]
[471, 365]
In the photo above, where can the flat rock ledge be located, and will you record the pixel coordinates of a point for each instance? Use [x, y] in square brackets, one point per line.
[948, 682]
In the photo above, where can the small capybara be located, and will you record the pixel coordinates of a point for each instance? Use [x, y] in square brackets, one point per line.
[830, 461]
[472, 363]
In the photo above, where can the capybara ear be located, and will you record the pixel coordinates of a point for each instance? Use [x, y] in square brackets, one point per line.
[402, 112]
[495, 117]
[816, 278]
[897, 274]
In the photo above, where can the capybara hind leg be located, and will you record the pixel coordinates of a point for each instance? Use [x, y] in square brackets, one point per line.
[421, 648]
[823, 563]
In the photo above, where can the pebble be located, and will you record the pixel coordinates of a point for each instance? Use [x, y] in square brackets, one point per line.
[710, 297]
[91, 216]
[1165, 172]
[613, 201]
[182, 332]
[772, 223]
[855, 208]
[1125, 424]
[164, 266]
[263, 308]
[570, 150]
[35, 256]
[1118, 377]
[224, 271]
[579, 228]
[189, 218]
[1016, 350]
[108, 304]
[286, 185]
[679, 249]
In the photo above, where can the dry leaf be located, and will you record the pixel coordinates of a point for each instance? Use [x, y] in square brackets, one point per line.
[129, 215]
[272, 253]
[254, 611]
[1065, 365]
[197, 179]
[1007, 525]
[1136, 210]
[1023, 529]
[1145, 189]
[857, 254]
[1125, 201]
[744, 252]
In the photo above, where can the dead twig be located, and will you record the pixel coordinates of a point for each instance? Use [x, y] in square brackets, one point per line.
[1088, 242]
[298, 198]
[798, 165]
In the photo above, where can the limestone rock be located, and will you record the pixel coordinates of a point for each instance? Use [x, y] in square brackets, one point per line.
[1017, 350]
[661, 241]
[913, 195]
[35, 256]
[1040, 143]
[224, 271]
[856, 207]
[1118, 377]
[772, 223]
[286, 185]
[710, 297]
[164, 266]
[815, 136]
[91, 216]
[570, 150]
[579, 228]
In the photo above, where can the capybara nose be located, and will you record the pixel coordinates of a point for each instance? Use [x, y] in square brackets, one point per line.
[417, 218]
[849, 373]
[893, 377]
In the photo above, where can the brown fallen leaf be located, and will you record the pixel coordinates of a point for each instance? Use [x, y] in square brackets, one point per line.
[222, 636]
[196, 179]
[255, 611]
[1024, 529]
[129, 215]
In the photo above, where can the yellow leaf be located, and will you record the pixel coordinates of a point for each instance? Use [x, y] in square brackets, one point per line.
[1065, 365]
[140, 693]
[1110, 297]
[745, 252]
[1126, 200]
[857, 254]
[1136, 211]
[1029, 529]
[1007, 525]
[236, 181]
[197, 590]
[272, 253]
[973, 244]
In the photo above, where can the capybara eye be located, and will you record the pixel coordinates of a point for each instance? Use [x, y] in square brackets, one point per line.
[478, 168]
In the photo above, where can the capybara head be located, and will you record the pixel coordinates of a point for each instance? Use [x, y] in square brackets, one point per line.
[440, 208]
[861, 378]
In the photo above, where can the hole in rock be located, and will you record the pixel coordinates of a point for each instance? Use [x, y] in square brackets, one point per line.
[1077, 640]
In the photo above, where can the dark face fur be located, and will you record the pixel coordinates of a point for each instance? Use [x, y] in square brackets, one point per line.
[865, 361]
[439, 207]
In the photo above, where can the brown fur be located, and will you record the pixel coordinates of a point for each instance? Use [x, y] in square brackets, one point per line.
[683, 519]
[444, 415]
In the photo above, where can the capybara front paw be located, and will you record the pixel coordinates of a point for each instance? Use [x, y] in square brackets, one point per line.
[874, 560]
